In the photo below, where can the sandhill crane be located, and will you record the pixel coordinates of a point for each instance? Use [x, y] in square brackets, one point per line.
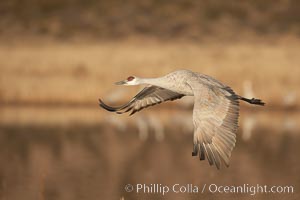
[215, 113]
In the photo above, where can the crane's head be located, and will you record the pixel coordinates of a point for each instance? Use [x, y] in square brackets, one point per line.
[131, 80]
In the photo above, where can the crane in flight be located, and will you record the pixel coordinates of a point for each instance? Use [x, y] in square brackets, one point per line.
[215, 113]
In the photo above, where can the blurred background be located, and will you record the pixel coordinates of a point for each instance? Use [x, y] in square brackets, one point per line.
[57, 57]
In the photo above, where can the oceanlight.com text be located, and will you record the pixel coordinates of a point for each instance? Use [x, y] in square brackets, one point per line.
[210, 188]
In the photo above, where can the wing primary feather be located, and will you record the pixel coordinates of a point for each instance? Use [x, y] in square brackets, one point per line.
[201, 152]
[148, 96]
[208, 154]
[216, 157]
[113, 109]
[223, 156]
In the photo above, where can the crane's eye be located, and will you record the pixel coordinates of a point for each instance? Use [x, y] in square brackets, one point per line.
[130, 78]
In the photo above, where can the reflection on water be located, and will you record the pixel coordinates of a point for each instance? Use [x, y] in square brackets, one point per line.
[82, 154]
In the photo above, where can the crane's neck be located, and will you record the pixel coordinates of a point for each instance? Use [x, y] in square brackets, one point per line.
[160, 82]
[170, 83]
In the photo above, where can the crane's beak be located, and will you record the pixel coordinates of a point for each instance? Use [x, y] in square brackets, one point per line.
[121, 82]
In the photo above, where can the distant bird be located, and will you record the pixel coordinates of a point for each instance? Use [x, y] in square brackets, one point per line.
[215, 113]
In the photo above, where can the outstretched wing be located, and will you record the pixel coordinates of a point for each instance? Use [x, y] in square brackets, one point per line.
[215, 116]
[149, 96]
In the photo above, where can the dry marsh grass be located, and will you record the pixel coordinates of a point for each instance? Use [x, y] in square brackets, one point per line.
[79, 73]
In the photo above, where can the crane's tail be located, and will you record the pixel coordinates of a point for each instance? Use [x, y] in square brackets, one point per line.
[253, 101]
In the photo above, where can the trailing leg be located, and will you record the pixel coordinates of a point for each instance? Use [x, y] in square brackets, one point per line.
[252, 101]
